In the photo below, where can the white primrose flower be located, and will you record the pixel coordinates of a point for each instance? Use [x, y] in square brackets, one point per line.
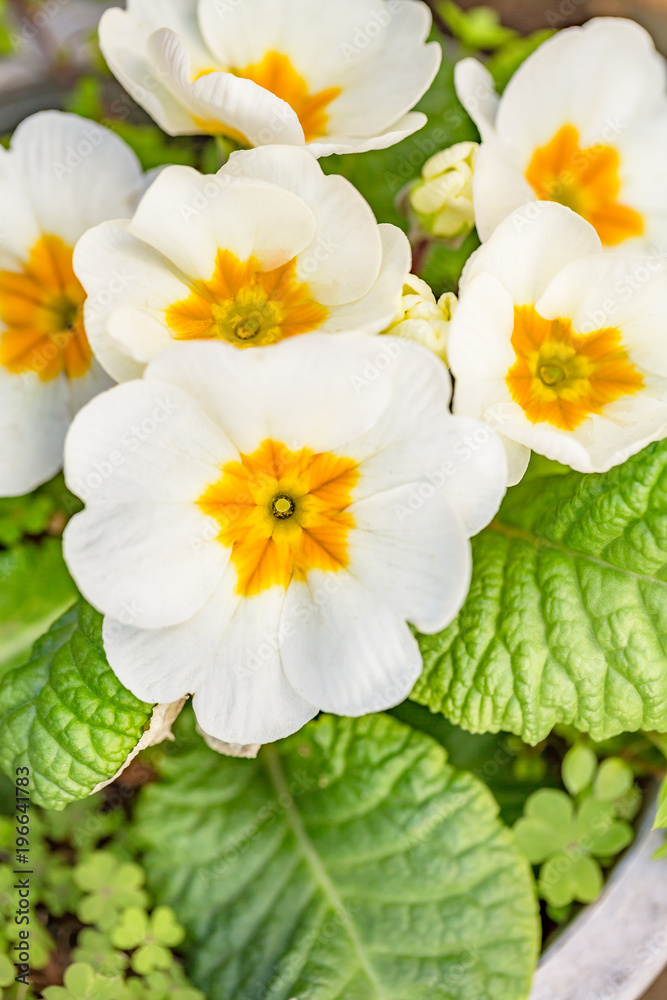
[559, 346]
[268, 248]
[442, 198]
[261, 525]
[339, 76]
[582, 122]
[61, 175]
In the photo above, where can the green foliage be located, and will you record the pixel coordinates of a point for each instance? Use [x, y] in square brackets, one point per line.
[579, 767]
[65, 714]
[6, 32]
[566, 618]
[478, 28]
[35, 589]
[82, 983]
[348, 860]
[566, 841]
[111, 886]
[152, 937]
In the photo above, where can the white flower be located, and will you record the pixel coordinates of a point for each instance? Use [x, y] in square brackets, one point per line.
[582, 122]
[260, 525]
[270, 247]
[442, 199]
[337, 75]
[61, 175]
[422, 319]
[559, 346]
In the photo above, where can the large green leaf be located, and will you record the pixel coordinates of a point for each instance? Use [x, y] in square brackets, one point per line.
[348, 862]
[35, 588]
[566, 620]
[65, 715]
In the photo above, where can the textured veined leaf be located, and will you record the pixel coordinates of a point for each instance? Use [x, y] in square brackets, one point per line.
[65, 715]
[348, 862]
[566, 619]
[35, 589]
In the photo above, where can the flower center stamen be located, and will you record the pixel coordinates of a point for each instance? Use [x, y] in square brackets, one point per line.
[282, 506]
[551, 374]
[561, 377]
[249, 327]
[283, 513]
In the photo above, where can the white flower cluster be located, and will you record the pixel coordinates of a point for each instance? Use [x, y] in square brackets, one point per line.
[267, 505]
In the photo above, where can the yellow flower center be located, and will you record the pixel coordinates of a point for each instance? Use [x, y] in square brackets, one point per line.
[42, 310]
[283, 513]
[276, 74]
[585, 180]
[561, 377]
[246, 306]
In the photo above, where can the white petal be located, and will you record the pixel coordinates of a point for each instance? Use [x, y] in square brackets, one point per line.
[598, 78]
[300, 391]
[34, 417]
[381, 87]
[518, 457]
[405, 126]
[315, 38]
[342, 649]
[244, 696]
[58, 156]
[411, 551]
[221, 101]
[118, 272]
[189, 216]
[20, 228]
[124, 44]
[144, 441]
[141, 455]
[343, 260]
[375, 311]
[529, 247]
[84, 388]
[499, 187]
[476, 91]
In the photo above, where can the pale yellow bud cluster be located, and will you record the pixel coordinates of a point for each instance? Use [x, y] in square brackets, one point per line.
[422, 319]
[442, 199]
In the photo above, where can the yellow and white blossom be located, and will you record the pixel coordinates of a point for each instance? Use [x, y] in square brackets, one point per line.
[582, 122]
[61, 175]
[339, 76]
[268, 248]
[260, 526]
[560, 346]
[422, 319]
[443, 198]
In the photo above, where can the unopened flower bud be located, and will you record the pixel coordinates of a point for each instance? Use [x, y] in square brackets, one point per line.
[422, 319]
[442, 199]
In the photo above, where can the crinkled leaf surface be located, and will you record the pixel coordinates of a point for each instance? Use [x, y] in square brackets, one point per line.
[566, 619]
[35, 588]
[348, 862]
[65, 715]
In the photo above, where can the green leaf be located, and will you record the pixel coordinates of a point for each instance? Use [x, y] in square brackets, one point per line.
[566, 619]
[348, 861]
[35, 589]
[579, 766]
[65, 715]
[613, 780]
[479, 28]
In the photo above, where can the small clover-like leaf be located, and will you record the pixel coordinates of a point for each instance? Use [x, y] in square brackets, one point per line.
[7, 971]
[613, 780]
[131, 929]
[112, 887]
[97, 951]
[578, 768]
[164, 927]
